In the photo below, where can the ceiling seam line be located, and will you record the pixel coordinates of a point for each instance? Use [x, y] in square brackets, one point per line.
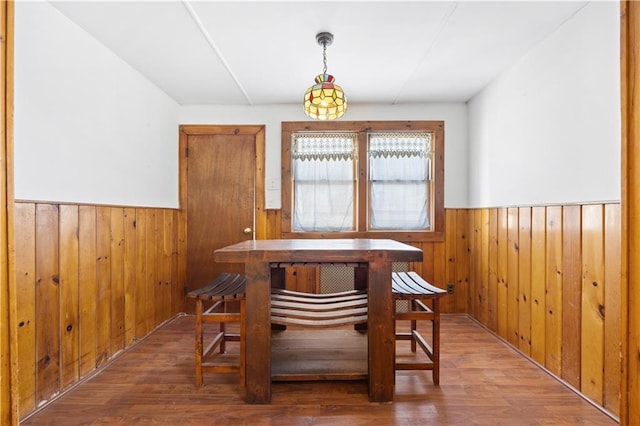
[443, 26]
[212, 44]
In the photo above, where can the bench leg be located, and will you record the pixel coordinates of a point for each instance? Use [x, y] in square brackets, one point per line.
[414, 325]
[198, 348]
[436, 342]
[243, 352]
[223, 346]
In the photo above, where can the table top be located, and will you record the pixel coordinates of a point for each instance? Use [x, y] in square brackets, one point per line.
[318, 250]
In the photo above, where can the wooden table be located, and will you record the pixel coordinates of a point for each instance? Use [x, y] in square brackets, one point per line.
[261, 258]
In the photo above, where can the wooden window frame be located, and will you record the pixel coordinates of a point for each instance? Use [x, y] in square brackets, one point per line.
[363, 128]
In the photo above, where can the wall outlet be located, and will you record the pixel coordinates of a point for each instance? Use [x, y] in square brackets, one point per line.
[450, 288]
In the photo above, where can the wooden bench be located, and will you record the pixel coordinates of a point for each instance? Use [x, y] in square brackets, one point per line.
[411, 287]
[226, 293]
[318, 310]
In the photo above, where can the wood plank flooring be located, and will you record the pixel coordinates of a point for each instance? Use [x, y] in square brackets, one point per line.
[483, 382]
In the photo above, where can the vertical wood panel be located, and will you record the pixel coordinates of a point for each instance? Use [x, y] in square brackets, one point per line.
[130, 270]
[305, 279]
[182, 262]
[483, 294]
[81, 285]
[142, 291]
[492, 283]
[151, 272]
[538, 283]
[571, 294]
[47, 302]
[475, 267]
[88, 288]
[25, 298]
[158, 285]
[553, 322]
[182, 259]
[69, 296]
[177, 294]
[524, 280]
[103, 285]
[462, 262]
[503, 245]
[427, 262]
[166, 261]
[592, 356]
[117, 279]
[612, 306]
[512, 276]
[450, 242]
[440, 269]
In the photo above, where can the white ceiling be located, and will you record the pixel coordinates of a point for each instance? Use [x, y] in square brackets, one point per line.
[265, 52]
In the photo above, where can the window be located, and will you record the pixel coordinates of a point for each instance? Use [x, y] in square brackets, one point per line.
[363, 179]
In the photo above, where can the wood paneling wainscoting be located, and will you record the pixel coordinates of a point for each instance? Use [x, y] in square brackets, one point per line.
[539, 277]
[90, 280]
[547, 280]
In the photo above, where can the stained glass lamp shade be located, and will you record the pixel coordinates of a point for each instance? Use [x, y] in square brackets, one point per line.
[325, 100]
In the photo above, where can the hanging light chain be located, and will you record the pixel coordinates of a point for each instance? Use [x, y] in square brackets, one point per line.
[324, 56]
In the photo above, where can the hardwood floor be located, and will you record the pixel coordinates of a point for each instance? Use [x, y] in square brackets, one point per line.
[482, 382]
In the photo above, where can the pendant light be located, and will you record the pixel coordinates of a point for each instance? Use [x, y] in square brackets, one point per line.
[325, 100]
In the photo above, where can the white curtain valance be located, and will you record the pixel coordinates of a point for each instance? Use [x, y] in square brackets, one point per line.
[400, 145]
[324, 146]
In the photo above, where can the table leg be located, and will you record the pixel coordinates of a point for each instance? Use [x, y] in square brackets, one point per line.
[278, 280]
[258, 333]
[360, 275]
[381, 331]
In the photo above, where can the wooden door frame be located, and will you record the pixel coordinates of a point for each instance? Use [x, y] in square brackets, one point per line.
[630, 225]
[8, 308]
[258, 132]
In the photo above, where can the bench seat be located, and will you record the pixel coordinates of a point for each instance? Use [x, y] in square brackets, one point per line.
[413, 288]
[226, 294]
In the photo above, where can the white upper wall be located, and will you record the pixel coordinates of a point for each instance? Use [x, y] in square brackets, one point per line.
[88, 128]
[453, 114]
[547, 131]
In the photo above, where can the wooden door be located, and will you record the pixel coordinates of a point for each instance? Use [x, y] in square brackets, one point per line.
[221, 194]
